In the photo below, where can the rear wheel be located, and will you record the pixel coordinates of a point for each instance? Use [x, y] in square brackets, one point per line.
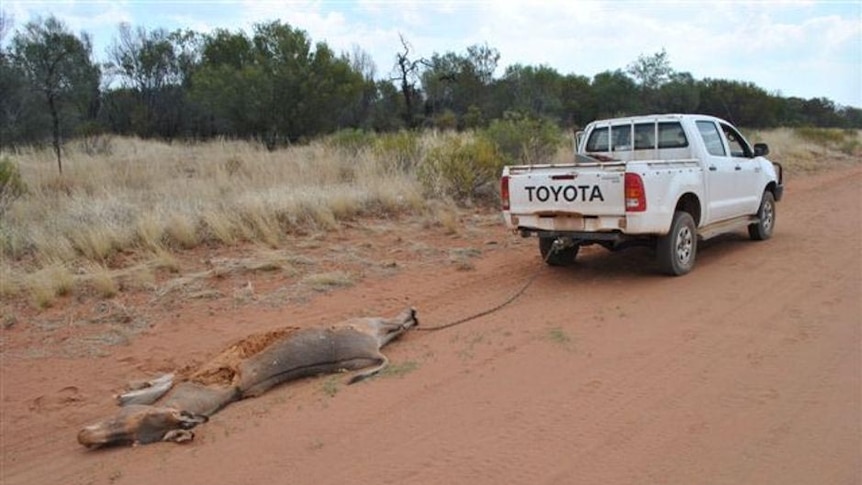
[762, 229]
[677, 249]
[560, 257]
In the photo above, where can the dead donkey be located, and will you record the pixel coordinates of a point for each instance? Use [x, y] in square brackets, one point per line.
[162, 411]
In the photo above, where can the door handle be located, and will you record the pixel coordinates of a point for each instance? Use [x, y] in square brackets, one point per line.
[738, 168]
[713, 168]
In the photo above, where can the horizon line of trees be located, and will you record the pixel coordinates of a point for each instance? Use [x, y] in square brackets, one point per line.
[276, 86]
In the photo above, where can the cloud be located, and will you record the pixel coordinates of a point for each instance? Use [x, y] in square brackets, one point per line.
[799, 48]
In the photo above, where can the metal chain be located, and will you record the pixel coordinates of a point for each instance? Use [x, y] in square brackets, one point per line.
[558, 244]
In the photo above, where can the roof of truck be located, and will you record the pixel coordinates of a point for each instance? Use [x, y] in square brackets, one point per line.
[655, 117]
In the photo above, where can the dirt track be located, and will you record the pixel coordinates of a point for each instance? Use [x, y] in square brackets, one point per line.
[746, 371]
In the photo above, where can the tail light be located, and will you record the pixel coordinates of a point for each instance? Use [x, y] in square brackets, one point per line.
[635, 193]
[504, 192]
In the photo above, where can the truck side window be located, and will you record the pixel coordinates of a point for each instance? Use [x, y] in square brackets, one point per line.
[644, 136]
[621, 136]
[598, 141]
[738, 146]
[712, 140]
[671, 135]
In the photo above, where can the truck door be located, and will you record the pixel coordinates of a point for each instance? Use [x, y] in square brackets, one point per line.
[747, 192]
[720, 174]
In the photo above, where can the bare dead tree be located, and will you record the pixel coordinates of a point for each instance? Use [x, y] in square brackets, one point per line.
[407, 75]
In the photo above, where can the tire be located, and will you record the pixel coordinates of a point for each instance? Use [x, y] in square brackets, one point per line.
[562, 257]
[762, 230]
[677, 250]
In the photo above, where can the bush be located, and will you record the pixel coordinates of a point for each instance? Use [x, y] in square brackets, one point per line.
[463, 168]
[400, 151]
[821, 136]
[352, 140]
[11, 185]
[525, 140]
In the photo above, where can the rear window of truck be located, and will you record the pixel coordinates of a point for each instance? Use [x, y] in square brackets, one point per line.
[668, 134]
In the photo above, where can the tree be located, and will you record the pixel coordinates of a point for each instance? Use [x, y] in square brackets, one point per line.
[58, 66]
[679, 94]
[536, 91]
[407, 73]
[579, 106]
[651, 71]
[458, 84]
[275, 85]
[615, 94]
[743, 104]
[12, 85]
[154, 66]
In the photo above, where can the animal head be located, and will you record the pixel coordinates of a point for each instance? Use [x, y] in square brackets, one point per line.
[139, 424]
[385, 330]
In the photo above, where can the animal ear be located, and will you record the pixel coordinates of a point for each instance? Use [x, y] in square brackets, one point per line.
[408, 315]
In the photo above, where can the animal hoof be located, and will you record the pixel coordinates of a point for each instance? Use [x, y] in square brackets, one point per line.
[179, 436]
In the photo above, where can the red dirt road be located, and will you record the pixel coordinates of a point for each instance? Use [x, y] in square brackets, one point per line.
[746, 371]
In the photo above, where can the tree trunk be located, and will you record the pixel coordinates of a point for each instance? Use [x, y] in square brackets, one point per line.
[55, 122]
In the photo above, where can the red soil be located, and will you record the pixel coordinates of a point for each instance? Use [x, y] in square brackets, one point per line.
[747, 370]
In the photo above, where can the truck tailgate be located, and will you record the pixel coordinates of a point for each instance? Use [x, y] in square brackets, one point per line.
[576, 190]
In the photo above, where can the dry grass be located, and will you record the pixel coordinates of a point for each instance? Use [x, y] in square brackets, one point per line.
[146, 200]
[151, 199]
[811, 150]
[328, 281]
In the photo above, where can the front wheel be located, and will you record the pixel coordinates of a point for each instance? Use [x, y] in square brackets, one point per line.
[762, 229]
[560, 257]
[677, 249]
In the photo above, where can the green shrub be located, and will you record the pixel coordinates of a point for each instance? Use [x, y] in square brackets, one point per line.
[352, 140]
[447, 120]
[821, 136]
[12, 186]
[399, 151]
[525, 140]
[462, 168]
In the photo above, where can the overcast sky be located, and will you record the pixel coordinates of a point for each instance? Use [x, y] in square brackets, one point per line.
[793, 48]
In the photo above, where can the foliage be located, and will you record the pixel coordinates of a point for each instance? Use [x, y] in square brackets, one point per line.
[275, 85]
[462, 168]
[352, 140]
[524, 140]
[821, 136]
[12, 186]
[400, 152]
[56, 65]
[846, 141]
[454, 83]
[651, 71]
[535, 91]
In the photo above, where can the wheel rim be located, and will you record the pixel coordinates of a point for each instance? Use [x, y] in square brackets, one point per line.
[768, 217]
[684, 245]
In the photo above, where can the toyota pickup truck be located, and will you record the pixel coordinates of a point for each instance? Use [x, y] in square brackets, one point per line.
[665, 181]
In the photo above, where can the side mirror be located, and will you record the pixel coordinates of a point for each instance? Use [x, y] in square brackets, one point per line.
[761, 149]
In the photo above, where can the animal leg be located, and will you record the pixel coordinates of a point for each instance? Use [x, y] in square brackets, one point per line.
[179, 436]
[148, 393]
[370, 372]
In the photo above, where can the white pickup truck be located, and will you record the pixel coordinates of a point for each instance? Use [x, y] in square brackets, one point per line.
[659, 180]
